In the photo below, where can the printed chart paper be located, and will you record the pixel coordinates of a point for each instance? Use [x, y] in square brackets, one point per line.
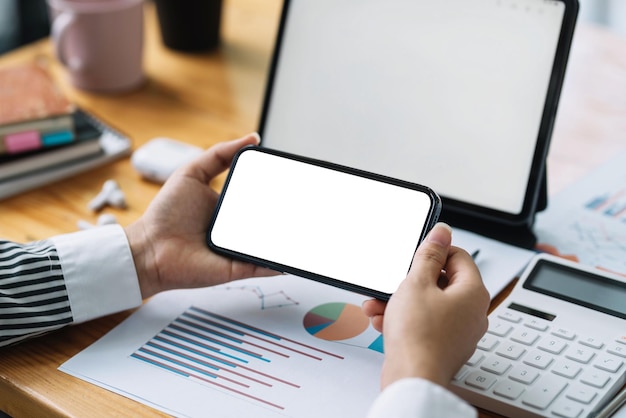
[587, 221]
[267, 347]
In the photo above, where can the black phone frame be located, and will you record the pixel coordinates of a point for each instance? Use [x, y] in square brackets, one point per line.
[433, 217]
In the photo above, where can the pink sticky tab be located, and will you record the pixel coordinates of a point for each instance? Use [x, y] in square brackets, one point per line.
[22, 142]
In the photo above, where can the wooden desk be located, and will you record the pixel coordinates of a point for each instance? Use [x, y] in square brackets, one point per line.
[208, 98]
[202, 98]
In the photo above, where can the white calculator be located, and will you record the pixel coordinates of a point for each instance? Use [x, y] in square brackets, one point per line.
[556, 346]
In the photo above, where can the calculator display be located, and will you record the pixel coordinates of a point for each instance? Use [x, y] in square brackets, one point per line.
[580, 287]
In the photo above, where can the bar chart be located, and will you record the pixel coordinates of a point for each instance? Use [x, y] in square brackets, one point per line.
[242, 349]
[227, 354]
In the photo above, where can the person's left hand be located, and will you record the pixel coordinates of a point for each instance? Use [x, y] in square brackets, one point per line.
[169, 241]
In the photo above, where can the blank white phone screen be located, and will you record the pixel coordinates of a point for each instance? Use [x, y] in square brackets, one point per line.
[447, 93]
[322, 221]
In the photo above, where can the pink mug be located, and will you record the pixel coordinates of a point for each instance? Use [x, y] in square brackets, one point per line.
[100, 42]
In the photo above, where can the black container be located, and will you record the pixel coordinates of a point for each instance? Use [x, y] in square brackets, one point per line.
[190, 25]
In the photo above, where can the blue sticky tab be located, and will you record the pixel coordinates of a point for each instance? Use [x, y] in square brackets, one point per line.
[57, 138]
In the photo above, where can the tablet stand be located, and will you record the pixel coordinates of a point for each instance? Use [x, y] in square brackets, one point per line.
[517, 235]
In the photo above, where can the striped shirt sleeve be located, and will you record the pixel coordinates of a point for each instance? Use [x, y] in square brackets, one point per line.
[69, 278]
[33, 295]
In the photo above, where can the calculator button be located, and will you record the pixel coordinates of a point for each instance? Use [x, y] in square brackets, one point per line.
[579, 354]
[508, 389]
[544, 391]
[525, 337]
[487, 342]
[552, 345]
[536, 324]
[523, 374]
[566, 369]
[538, 359]
[580, 393]
[608, 363]
[621, 339]
[510, 316]
[461, 373]
[475, 359]
[564, 333]
[563, 408]
[595, 378]
[499, 328]
[617, 349]
[510, 350]
[496, 365]
[480, 380]
[591, 342]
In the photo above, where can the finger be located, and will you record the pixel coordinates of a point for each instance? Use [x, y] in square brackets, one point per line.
[373, 307]
[377, 322]
[219, 157]
[465, 281]
[431, 256]
[242, 269]
[461, 270]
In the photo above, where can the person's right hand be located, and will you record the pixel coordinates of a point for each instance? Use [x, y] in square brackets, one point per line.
[168, 241]
[432, 323]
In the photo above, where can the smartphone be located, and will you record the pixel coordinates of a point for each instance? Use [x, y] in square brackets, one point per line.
[334, 224]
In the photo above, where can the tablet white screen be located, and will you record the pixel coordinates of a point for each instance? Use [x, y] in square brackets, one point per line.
[445, 93]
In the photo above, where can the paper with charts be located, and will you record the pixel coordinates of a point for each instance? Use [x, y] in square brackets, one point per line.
[587, 221]
[268, 347]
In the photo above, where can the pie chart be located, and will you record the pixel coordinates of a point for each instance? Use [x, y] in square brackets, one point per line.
[335, 321]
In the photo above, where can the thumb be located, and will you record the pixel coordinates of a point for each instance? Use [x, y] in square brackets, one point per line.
[432, 254]
[219, 157]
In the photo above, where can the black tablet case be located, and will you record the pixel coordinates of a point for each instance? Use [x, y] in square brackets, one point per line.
[515, 233]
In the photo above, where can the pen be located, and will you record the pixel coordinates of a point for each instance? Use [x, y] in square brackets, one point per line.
[612, 406]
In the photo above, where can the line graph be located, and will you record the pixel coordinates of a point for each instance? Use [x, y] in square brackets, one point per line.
[277, 299]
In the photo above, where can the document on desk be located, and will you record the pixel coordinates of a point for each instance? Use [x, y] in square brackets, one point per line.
[265, 347]
[587, 221]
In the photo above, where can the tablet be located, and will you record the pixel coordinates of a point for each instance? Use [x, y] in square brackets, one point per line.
[457, 94]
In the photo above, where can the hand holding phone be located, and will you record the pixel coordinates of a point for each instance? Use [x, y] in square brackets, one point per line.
[322, 221]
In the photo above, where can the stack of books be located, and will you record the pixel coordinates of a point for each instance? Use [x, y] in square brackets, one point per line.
[43, 136]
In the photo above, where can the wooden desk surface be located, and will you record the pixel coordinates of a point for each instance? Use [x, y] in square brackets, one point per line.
[207, 98]
[201, 98]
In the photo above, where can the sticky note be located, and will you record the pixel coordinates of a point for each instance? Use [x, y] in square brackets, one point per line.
[22, 141]
[52, 139]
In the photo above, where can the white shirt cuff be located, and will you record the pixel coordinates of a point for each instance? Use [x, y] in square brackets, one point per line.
[99, 272]
[414, 397]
